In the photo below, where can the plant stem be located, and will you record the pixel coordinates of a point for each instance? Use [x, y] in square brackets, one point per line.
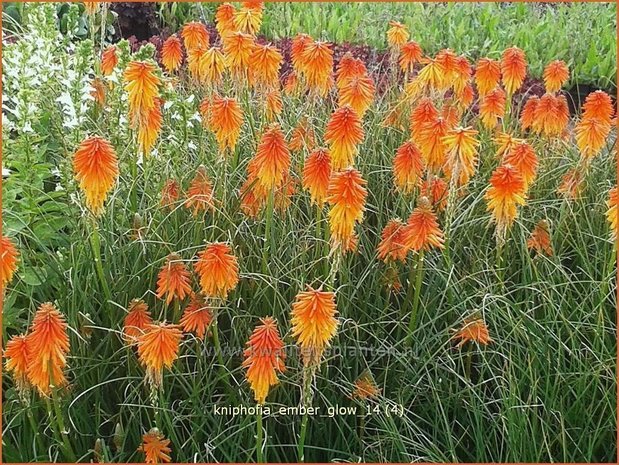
[415, 307]
[259, 457]
[63, 433]
[268, 234]
[308, 374]
[95, 241]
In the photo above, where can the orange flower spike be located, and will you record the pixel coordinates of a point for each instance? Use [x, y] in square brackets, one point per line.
[172, 53]
[195, 35]
[16, 355]
[449, 62]
[251, 204]
[397, 34]
[225, 120]
[487, 75]
[303, 136]
[92, 8]
[317, 59]
[218, 270]
[98, 91]
[211, 65]
[297, 48]
[492, 107]
[462, 73]
[540, 239]
[431, 144]
[556, 74]
[523, 158]
[598, 105]
[346, 195]
[450, 113]
[8, 260]
[48, 346]
[422, 230]
[248, 20]
[433, 75]
[197, 317]
[150, 126]
[551, 115]
[313, 323]
[158, 348]
[291, 84]
[195, 56]
[264, 62]
[224, 19]
[365, 388]
[273, 104]
[465, 98]
[348, 68]
[137, 319]
[408, 167]
[437, 191]
[424, 112]
[142, 85]
[109, 60]
[264, 358]
[391, 246]
[527, 116]
[571, 184]
[343, 134]
[473, 329]
[612, 213]
[200, 192]
[174, 280]
[591, 134]
[410, 53]
[272, 159]
[237, 49]
[317, 174]
[170, 193]
[155, 447]
[506, 193]
[506, 142]
[358, 93]
[461, 146]
[96, 169]
[513, 69]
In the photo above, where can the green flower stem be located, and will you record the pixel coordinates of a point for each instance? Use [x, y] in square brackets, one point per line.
[259, 439]
[415, 305]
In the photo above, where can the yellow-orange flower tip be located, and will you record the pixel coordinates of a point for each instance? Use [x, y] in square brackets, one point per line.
[272, 159]
[431, 145]
[317, 174]
[197, 317]
[264, 358]
[433, 75]
[150, 126]
[142, 84]
[264, 62]
[172, 53]
[8, 260]
[551, 115]
[358, 93]
[317, 66]
[174, 280]
[422, 230]
[137, 319]
[109, 60]
[391, 247]
[248, 20]
[465, 97]
[461, 145]
[343, 134]
[48, 346]
[539, 241]
[487, 75]
[425, 112]
[92, 8]
[158, 348]
[303, 136]
[397, 34]
[598, 105]
[410, 53]
[346, 195]
[225, 120]
[365, 387]
[98, 91]
[96, 169]
[408, 167]
[612, 213]
[523, 158]
[507, 191]
[506, 142]
[297, 47]
[473, 330]
[513, 69]
[492, 107]
[237, 48]
[16, 355]
[155, 447]
[200, 192]
[348, 67]
[527, 115]
[170, 193]
[313, 323]
[556, 74]
[224, 18]
[436, 189]
[591, 134]
[195, 35]
[273, 104]
[218, 270]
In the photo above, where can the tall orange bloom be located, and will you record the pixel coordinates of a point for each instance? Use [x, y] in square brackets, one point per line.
[200, 192]
[155, 447]
[397, 34]
[48, 346]
[299, 42]
[313, 323]
[109, 60]
[264, 358]
[348, 68]
[433, 75]
[316, 175]
[365, 387]
[391, 246]
[218, 270]
[237, 49]
[8, 260]
[273, 105]
[598, 105]
[197, 317]
[142, 85]
[343, 134]
[346, 195]
[358, 93]
[252, 199]
[211, 65]
[527, 116]
[195, 56]
[487, 75]
[16, 354]
[556, 74]
[172, 53]
[225, 120]
[424, 112]
[96, 169]
[465, 98]
[248, 20]
[408, 167]
[506, 193]
[272, 159]
[513, 69]
[195, 35]
[430, 140]
[150, 126]
[473, 329]
[422, 230]
[462, 73]
[170, 193]
[291, 84]
[540, 239]
[492, 107]
[303, 136]
[98, 91]
[461, 146]
[591, 134]
[505, 142]
[137, 319]
[551, 115]
[523, 158]
[436, 189]
[448, 62]
[410, 53]
[264, 62]
[317, 59]
[224, 19]
[157, 349]
[173, 280]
